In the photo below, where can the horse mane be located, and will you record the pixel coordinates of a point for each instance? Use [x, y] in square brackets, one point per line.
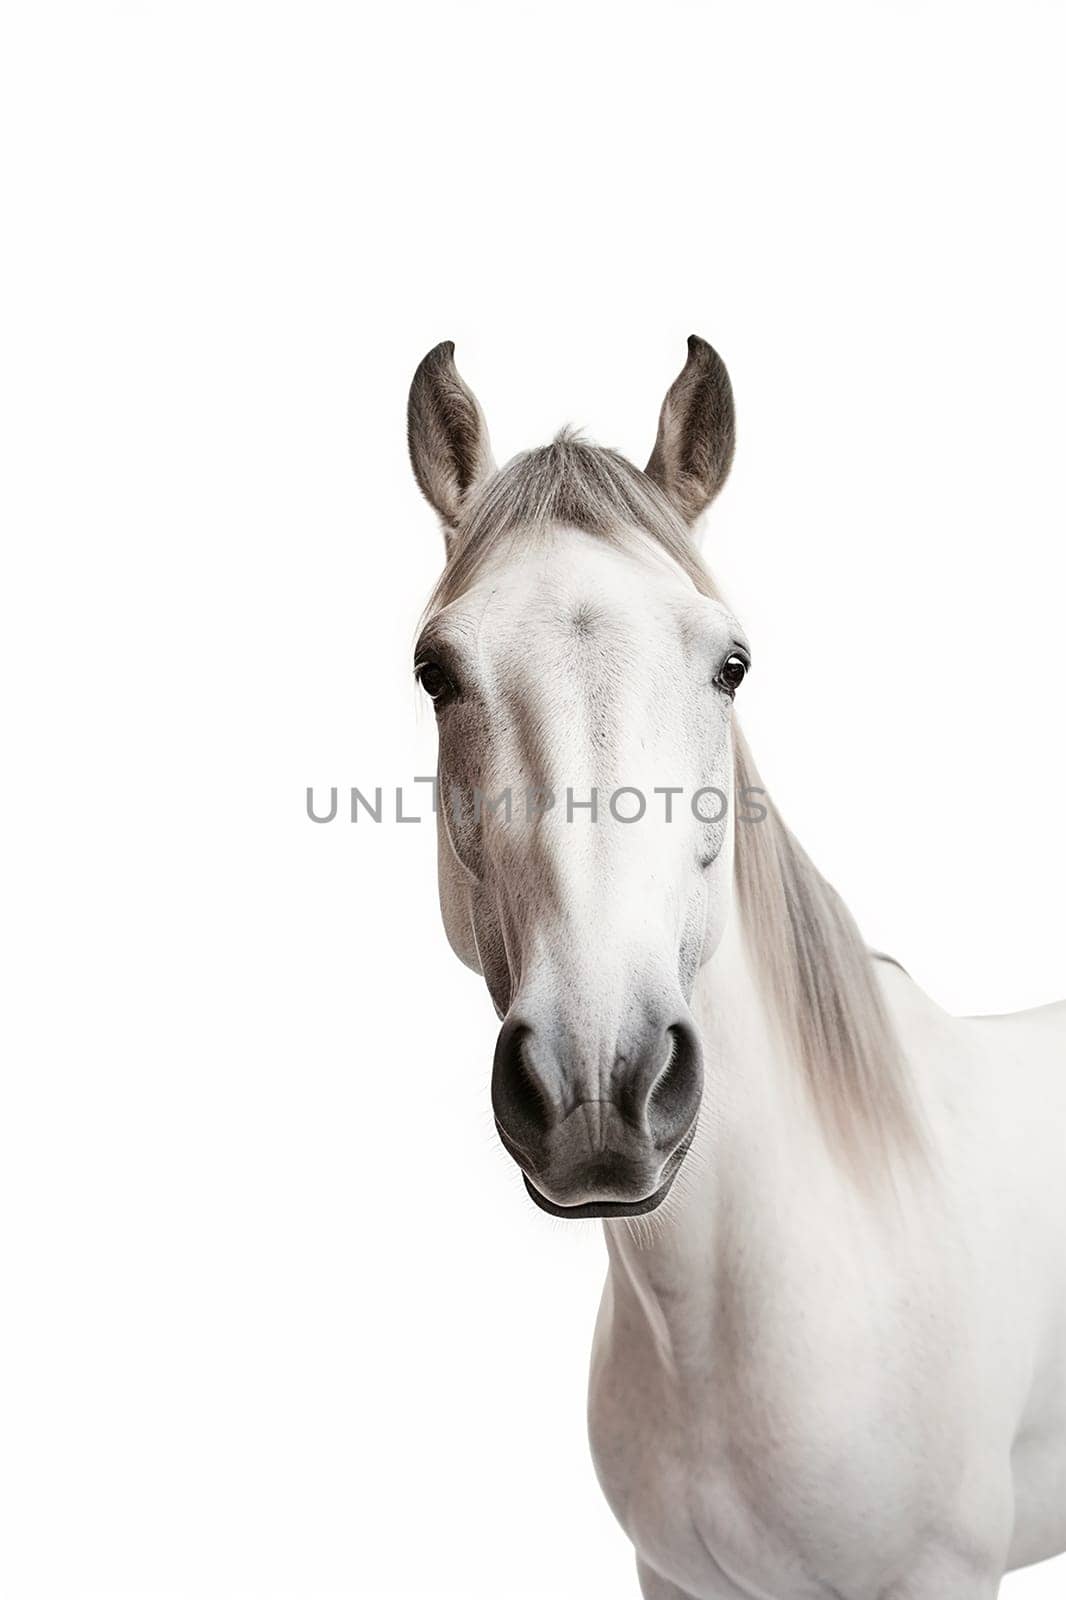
[819, 974]
[814, 967]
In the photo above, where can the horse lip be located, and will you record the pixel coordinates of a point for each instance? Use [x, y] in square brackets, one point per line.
[616, 1208]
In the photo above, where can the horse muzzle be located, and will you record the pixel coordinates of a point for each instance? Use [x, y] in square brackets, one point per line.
[597, 1133]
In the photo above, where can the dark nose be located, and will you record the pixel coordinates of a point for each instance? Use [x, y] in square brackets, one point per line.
[586, 1122]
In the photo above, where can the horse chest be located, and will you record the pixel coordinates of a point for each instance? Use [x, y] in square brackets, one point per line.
[733, 1491]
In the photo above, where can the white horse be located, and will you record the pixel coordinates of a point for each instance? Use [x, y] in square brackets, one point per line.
[831, 1354]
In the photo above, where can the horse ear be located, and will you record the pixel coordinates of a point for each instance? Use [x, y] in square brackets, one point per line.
[694, 447]
[446, 435]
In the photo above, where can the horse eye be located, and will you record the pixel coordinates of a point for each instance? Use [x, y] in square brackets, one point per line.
[433, 679]
[732, 674]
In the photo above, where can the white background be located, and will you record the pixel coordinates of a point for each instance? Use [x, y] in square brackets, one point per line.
[278, 1318]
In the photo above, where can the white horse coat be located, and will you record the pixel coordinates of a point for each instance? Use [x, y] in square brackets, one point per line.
[830, 1359]
[794, 1396]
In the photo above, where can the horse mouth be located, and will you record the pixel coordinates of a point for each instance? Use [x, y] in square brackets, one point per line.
[616, 1208]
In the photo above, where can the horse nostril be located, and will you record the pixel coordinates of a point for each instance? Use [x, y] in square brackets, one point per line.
[675, 1095]
[520, 1102]
[525, 1092]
